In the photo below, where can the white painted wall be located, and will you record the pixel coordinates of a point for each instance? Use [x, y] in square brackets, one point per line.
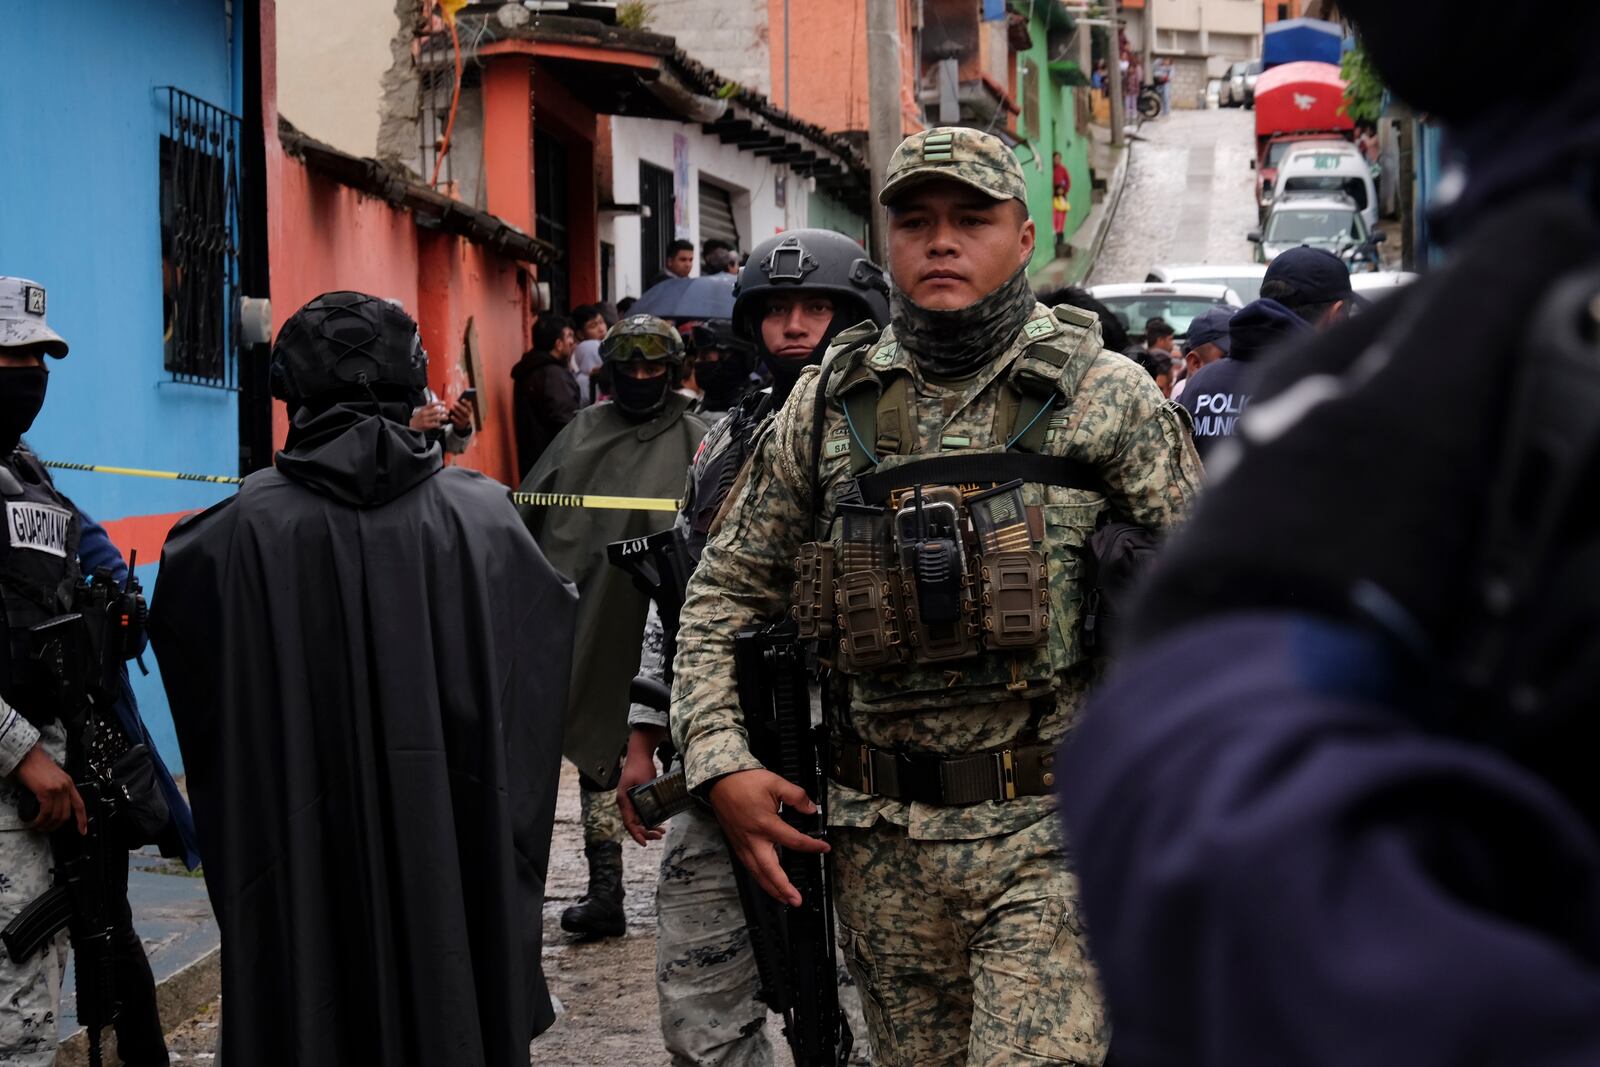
[749, 177]
[729, 36]
[331, 61]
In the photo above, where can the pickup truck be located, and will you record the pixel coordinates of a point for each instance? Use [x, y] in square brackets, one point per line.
[1295, 102]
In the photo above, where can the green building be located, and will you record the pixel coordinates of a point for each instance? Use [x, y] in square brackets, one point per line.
[1053, 119]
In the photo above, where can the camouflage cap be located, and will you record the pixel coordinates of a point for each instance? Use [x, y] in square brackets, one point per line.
[22, 325]
[957, 153]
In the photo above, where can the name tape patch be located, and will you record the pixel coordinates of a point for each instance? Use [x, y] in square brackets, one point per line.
[42, 527]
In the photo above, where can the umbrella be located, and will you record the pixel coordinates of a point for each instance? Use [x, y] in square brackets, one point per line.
[709, 297]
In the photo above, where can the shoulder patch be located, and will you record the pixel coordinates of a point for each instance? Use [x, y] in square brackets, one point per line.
[884, 356]
[1077, 316]
[1043, 326]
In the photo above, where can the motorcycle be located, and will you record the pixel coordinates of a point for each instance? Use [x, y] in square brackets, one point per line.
[1150, 101]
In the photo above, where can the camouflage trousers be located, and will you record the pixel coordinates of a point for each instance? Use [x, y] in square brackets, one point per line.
[30, 990]
[968, 952]
[602, 819]
[705, 969]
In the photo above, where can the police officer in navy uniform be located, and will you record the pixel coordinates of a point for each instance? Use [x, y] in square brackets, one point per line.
[1362, 823]
[39, 567]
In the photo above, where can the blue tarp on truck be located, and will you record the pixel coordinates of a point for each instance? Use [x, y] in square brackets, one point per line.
[1297, 40]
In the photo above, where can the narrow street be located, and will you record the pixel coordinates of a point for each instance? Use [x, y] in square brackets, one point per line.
[1190, 196]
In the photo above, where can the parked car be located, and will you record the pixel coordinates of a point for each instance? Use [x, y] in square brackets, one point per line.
[1137, 302]
[1275, 150]
[1252, 71]
[1330, 167]
[1374, 285]
[1233, 86]
[1320, 220]
[1243, 278]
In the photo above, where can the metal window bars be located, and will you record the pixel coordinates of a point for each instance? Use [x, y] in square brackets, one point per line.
[199, 241]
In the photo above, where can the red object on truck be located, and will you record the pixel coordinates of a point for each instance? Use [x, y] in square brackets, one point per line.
[1295, 102]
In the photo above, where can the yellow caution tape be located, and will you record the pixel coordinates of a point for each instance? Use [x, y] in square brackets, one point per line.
[573, 500]
[547, 500]
[135, 472]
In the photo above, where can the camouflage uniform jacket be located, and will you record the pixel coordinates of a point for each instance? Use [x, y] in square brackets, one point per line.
[1115, 421]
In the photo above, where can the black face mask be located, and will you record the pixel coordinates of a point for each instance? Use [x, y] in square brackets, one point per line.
[21, 396]
[639, 398]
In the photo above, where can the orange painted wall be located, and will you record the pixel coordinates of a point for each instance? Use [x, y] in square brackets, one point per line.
[828, 62]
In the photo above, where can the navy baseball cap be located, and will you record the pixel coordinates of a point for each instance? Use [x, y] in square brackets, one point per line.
[1210, 327]
[1316, 275]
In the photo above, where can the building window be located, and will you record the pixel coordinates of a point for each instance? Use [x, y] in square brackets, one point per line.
[199, 240]
[716, 214]
[1283, 12]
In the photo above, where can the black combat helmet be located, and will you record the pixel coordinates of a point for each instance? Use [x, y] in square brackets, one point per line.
[817, 261]
[349, 346]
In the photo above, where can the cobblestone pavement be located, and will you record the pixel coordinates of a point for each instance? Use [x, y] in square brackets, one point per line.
[1190, 196]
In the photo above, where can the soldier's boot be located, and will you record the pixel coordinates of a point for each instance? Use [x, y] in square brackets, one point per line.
[599, 913]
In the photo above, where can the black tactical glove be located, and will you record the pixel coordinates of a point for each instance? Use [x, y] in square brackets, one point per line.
[1360, 483]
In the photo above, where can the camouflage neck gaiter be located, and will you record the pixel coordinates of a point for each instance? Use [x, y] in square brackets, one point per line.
[954, 344]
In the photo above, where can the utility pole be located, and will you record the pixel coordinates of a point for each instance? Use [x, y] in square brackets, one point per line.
[883, 106]
[1114, 73]
[1149, 40]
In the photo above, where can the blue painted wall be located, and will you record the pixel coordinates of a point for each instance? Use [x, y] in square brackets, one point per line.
[81, 115]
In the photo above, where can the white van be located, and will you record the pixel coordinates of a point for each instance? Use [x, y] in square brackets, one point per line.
[1330, 167]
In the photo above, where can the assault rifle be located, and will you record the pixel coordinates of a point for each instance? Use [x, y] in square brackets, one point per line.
[660, 566]
[794, 946]
[78, 658]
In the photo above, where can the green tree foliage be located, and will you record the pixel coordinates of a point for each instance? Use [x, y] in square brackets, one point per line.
[1363, 89]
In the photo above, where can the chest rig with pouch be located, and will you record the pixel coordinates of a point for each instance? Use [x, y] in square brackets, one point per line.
[946, 582]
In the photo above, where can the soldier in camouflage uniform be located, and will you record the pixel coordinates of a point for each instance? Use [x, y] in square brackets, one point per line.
[33, 745]
[959, 914]
[797, 292]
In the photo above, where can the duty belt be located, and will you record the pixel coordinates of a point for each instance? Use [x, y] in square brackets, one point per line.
[1026, 771]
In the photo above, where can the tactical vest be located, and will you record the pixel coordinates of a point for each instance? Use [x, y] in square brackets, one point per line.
[725, 450]
[951, 578]
[38, 573]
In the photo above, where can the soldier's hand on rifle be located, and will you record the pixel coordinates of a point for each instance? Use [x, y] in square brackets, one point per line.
[638, 767]
[58, 797]
[747, 805]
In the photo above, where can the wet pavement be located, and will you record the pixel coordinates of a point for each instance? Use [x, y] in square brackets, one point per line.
[1189, 198]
